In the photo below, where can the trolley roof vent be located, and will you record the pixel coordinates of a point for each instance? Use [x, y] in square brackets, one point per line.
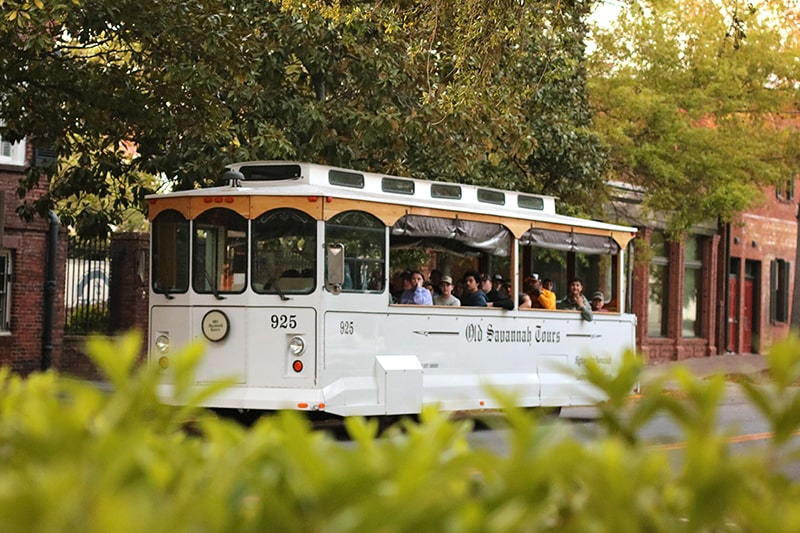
[270, 172]
[397, 186]
[447, 192]
[346, 179]
[530, 202]
[491, 197]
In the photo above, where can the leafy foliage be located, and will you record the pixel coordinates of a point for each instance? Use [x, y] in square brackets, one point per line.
[80, 459]
[697, 102]
[85, 318]
[489, 92]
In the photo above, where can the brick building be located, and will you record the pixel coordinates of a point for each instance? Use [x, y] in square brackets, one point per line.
[30, 296]
[758, 256]
[721, 288]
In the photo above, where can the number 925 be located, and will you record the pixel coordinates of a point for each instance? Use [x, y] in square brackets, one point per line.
[283, 321]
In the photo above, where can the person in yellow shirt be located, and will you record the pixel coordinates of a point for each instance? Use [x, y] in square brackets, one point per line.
[547, 298]
[541, 297]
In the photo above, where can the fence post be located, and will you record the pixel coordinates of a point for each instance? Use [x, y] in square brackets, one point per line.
[129, 282]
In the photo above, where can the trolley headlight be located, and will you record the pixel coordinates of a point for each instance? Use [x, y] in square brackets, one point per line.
[297, 346]
[162, 343]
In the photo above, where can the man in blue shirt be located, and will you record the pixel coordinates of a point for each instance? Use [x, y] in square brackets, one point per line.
[473, 295]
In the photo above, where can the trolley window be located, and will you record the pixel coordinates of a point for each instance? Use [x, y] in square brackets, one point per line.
[219, 259]
[364, 239]
[170, 234]
[284, 252]
[559, 256]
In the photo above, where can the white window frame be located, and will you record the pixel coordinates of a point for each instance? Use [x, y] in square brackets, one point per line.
[5, 291]
[12, 153]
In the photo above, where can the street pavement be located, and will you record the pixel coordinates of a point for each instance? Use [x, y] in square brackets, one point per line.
[700, 367]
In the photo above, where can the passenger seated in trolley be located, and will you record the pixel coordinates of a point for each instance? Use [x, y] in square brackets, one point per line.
[429, 287]
[376, 280]
[397, 285]
[495, 292]
[446, 296]
[599, 302]
[541, 297]
[548, 285]
[226, 278]
[575, 300]
[435, 278]
[459, 289]
[413, 290]
[524, 301]
[473, 295]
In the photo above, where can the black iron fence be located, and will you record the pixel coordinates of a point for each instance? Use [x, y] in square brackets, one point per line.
[86, 288]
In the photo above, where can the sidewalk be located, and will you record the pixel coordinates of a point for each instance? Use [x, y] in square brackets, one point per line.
[732, 363]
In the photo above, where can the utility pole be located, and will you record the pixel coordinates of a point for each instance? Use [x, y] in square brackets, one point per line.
[795, 318]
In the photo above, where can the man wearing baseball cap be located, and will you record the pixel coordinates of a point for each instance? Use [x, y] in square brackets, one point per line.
[445, 297]
[541, 297]
[599, 302]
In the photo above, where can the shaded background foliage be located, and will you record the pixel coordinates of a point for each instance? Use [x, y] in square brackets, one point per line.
[487, 92]
[697, 102]
[689, 100]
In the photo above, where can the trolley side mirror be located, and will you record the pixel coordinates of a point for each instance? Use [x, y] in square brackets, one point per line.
[334, 276]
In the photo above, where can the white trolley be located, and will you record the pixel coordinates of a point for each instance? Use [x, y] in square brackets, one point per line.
[283, 273]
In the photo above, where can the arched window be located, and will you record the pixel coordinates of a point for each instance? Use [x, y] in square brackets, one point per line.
[364, 239]
[219, 259]
[284, 249]
[170, 234]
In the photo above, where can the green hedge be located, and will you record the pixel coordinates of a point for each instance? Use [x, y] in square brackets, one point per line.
[86, 319]
[76, 458]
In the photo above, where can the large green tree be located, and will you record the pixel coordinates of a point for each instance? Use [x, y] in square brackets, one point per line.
[490, 92]
[697, 101]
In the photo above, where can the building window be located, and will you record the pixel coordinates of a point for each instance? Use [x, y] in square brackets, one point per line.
[692, 285]
[785, 191]
[5, 290]
[779, 291]
[12, 154]
[657, 302]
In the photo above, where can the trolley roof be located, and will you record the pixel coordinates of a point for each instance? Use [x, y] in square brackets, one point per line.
[290, 178]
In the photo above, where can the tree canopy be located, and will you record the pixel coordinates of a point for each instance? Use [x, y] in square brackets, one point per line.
[698, 103]
[487, 92]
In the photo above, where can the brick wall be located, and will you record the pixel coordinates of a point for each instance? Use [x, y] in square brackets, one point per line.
[72, 359]
[21, 348]
[766, 232]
